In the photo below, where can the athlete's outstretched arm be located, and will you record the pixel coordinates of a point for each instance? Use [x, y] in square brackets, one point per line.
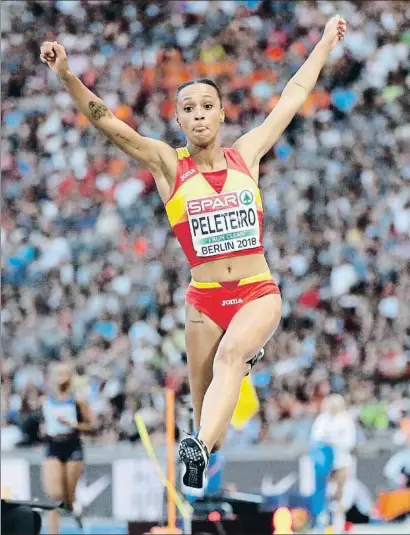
[153, 154]
[256, 143]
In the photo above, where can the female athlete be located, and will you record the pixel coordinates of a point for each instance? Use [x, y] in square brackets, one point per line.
[335, 427]
[213, 203]
[65, 417]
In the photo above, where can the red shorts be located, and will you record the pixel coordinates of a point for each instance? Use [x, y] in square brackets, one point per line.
[220, 301]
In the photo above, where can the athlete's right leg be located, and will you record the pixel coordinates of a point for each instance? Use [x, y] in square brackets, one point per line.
[202, 336]
[73, 472]
[53, 484]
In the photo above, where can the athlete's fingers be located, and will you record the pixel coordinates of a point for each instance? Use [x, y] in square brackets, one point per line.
[47, 59]
[59, 50]
[48, 53]
[47, 48]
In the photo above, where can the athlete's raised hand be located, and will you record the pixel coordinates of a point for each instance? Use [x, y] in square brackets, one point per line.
[159, 157]
[334, 31]
[55, 56]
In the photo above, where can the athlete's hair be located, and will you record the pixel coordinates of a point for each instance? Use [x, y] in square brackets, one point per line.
[334, 403]
[206, 81]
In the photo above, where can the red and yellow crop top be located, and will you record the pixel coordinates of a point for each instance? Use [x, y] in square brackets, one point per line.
[215, 215]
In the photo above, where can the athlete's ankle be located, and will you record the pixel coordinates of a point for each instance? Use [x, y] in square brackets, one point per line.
[205, 442]
[215, 448]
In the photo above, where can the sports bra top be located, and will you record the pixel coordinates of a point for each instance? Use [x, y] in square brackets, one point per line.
[54, 408]
[218, 214]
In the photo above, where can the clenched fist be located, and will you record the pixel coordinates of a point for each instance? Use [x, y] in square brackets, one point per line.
[334, 31]
[55, 56]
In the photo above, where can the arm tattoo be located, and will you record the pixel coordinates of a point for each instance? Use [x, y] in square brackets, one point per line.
[64, 76]
[300, 85]
[197, 321]
[98, 110]
[125, 140]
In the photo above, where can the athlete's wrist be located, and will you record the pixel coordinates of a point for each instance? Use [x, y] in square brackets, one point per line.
[65, 75]
[324, 45]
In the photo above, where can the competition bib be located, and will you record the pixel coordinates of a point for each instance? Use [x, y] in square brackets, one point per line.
[225, 222]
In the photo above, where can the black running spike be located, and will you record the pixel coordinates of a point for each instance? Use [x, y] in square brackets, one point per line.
[194, 454]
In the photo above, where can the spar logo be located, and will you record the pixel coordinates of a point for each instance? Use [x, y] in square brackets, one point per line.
[214, 203]
[246, 197]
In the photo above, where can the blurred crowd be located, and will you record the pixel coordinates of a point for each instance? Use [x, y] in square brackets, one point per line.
[91, 273]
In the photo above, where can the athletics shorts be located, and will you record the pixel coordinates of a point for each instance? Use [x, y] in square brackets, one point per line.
[220, 301]
[69, 449]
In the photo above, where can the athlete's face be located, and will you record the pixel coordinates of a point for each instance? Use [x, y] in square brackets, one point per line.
[199, 113]
[61, 377]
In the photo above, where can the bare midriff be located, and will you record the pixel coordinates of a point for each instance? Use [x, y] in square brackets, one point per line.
[230, 269]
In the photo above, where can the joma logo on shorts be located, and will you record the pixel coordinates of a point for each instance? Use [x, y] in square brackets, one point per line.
[232, 302]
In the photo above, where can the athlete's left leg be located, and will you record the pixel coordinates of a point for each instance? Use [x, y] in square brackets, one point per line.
[250, 329]
[248, 366]
[338, 479]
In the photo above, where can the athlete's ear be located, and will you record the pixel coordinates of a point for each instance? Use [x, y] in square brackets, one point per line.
[177, 120]
[222, 116]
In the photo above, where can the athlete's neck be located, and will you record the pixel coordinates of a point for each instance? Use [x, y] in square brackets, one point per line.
[211, 158]
[62, 394]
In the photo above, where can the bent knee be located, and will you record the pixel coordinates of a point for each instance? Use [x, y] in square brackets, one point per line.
[54, 491]
[68, 504]
[56, 496]
[229, 355]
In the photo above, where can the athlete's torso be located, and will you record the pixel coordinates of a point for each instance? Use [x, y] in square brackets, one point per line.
[217, 216]
[53, 409]
[337, 430]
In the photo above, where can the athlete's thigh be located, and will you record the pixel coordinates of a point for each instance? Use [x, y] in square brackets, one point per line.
[53, 478]
[252, 327]
[74, 469]
[202, 336]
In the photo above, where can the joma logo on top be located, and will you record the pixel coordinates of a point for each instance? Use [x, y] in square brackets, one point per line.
[213, 203]
[188, 174]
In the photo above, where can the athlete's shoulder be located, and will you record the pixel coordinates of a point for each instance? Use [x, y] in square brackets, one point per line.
[230, 150]
[236, 161]
[186, 168]
[232, 153]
